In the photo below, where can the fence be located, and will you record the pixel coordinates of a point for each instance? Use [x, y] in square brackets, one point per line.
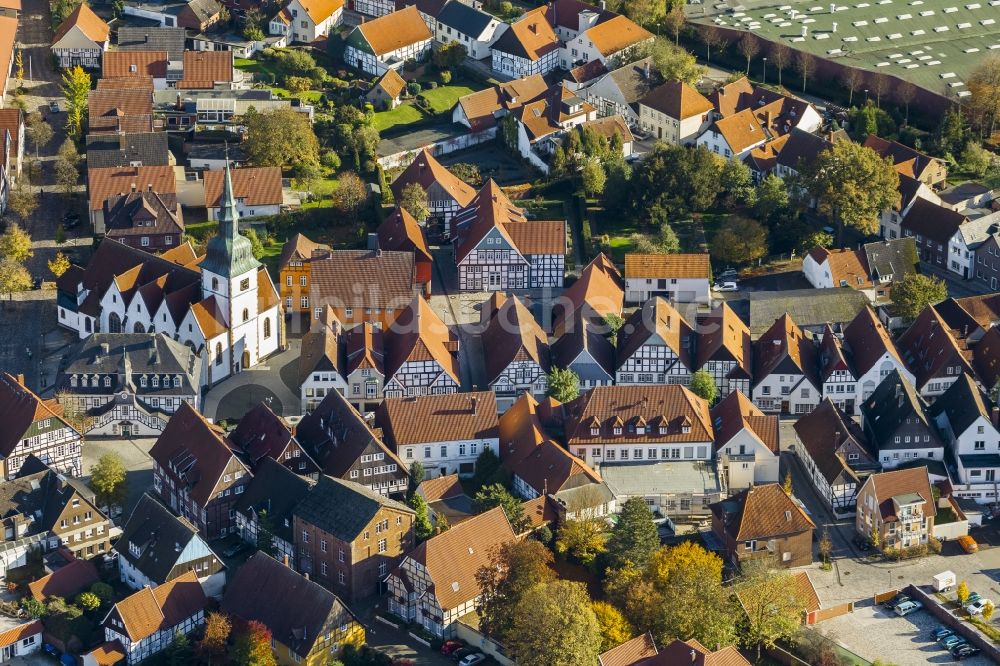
[885, 596]
[829, 613]
[473, 637]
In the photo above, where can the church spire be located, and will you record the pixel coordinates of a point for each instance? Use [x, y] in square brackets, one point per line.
[229, 253]
[229, 215]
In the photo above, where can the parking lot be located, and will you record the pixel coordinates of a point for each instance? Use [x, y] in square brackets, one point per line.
[873, 632]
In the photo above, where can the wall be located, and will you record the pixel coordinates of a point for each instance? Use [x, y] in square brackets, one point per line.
[472, 636]
[964, 629]
[951, 530]
[438, 148]
[829, 613]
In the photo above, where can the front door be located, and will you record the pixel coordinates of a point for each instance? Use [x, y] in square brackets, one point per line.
[126, 431]
[246, 360]
[494, 280]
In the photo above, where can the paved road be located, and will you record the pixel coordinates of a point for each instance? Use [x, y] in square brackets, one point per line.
[235, 396]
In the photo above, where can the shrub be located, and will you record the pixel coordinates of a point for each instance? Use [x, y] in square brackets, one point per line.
[103, 591]
[445, 77]
[413, 88]
[330, 160]
[432, 85]
[410, 65]
[88, 601]
[33, 607]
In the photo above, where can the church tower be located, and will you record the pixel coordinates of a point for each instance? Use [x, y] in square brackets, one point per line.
[229, 273]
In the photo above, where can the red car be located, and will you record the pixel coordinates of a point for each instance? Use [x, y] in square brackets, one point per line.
[450, 646]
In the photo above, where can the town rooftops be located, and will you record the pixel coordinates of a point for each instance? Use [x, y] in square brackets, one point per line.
[483, 107]
[847, 266]
[446, 417]
[426, 171]
[722, 333]
[363, 278]
[986, 357]
[785, 340]
[742, 130]
[120, 110]
[299, 248]
[76, 576]
[419, 335]
[390, 32]
[252, 186]
[808, 307]
[694, 653]
[530, 37]
[89, 23]
[913, 483]
[203, 69]
[513, 334]
[666, 413]
[277, 490]
[21, 407]
[931, 221]
[677, 100]
[963, 403]
[134, 63]
[893, 403]
[656, 322]
[392, 84]
[153, 538]
[549, 112]
[737, 412]
[908, 161]
[823, 431]
[867, 340]
[103, 183]
[320, 10]
[761, 513]
[149, 610]
[932, 349]
[122, 150]
[463, 18]
[400, 232]
[616, 34]
[598, 292]
[343, 508]
[667, 266]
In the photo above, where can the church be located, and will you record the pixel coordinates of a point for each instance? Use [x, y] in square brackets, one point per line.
[221, 304]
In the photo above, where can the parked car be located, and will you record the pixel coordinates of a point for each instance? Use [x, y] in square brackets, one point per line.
[964, 651]
[450, 646]
[941, 632]
[948, 642]
[236, 549]
[976, 607]
[863, 543]
[973, 597]
[54, 106]
[473, 659]
[725, 286]
[968, 544]
[907, 607]
[71, 220]
[461, 653]
[895, 601]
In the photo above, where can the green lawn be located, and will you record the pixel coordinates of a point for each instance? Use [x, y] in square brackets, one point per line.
[443, 98]
[264, 73]
[404, 114]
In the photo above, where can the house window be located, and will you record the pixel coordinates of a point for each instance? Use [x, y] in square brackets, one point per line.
[305, 536]
[382, 546]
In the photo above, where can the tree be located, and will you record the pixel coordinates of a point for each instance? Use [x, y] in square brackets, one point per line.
[212, 646]
[13, 278]
[514, 568]
[962, 592]
[583, 540]
[88, 601]
[976, 159]
[108, 480]
[413, 199]
[740, 240]
[737, 181]
[19, 67]
[58, 264]
[634, 538]
[674, 21]
[644, 12]
[103, 591]
[67, 175]
[417, 474]
[674, 63]
[15, 244]
[75, 88]
[984, 84]
[449, 55]
[905, 94]
[39, 132]
[805, 64]
[703, 386]
[711, 37]
[814, 239]
[825, 545]
[667, 241]
[253, 647]
[851, 79]
[496, 495]
[951, 133]
[256, 246]
[988, 609]
[674, 181]
[280, 137]
[853, 185]
[265, 532]
[564, 384]
[614, 323]
[749, 46]
[781, 55]
[786, 485]
[555, 626]
[915, 292]
[179, 652]
[879, 85]
[678, 593]
[351, 194]
[615, 628]
[593, 177]
[488, 469]
[422, 527]
[771, 601]
[23, 200]
[771, 198]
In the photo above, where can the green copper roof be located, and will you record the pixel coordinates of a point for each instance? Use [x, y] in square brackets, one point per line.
[229, 253]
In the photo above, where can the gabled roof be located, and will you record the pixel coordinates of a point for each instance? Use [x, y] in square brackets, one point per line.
[672, 406]
[195, 450]
[277, 490]
[823, 431]
[11, 120]
[581, 335]
[321, 346]
[630, 652]
[785, 340]
[848, 268]
[513, 334]
[831, 355]
[426, 171]
[736, 413]
[343, 508]
[722, 335]
[892, 404]
[89, 23]
[907, 161]
[552, 111]
[808, 307]
[483, 107]
[801, 148]
[453, 557]
[962, 403]
[392, 84]
[656, 322]
[615, 34]
[121, 150]
[598, 292]
[677, 100]
[134, 64]
[116, 110]
[895, 483]
[320, 10]
[528, 452]
[363, 278]
[667, 266]
[159, 536]
[142, 213]
[261, 434]
[446, 417]
[741, 131]
[761, 513]
[867, 340]
[106, 182]
[400, 232]
[21, 407]
[256, 186]
[160, 609]
[21, 632]
[300, 248]
[530, 37]
[928, 346]
[695, 654]
[365, 348]
[986, 358]
[203, 69]
[418, 334]
[65, 582]
[160, 38]
[566, 13]
[464, 19]
[440, 488]
[929, 220]
[891, 258]
[390, 32]
[491, 209]
[295, 609]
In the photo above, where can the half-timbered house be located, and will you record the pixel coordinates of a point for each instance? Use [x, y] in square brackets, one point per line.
[421, 354]
[724, 350]
[516, 350]
[654, 346]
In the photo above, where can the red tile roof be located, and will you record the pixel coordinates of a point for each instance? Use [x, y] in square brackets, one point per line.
[428, 419]
[886, 485]
[667, 266]
[761, 513]
[735, 413]
[65, 582]
[90, 24]
[134, 64]
[630, 652]
[20, 632]
[258, 186]
[104, 182]
[150, 610]
[431, 175]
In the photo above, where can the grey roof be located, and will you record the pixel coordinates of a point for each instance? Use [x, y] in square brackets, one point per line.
[632, 80]
[962, 403]
[583, 336]
[583, 497]
[971, 460]
[122, 150]
[463, 18]
[801, 147]
[40, 494]
[160, 537]
[654, 479]
[343, 508]
[140, 38]
[975, 232]
[124, 357]
[216, 151]
[276, 489]
[962, 192]
[894, 401]
[807, 307]
[205, 9]
[896, 257]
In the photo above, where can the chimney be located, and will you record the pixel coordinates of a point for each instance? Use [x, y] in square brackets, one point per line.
[995, 415]
[149, 187]
[133, 187]
[694, 655]
[145, 38]
[474, 404]
[179, 104]
[373, 241]
[767, 120]
[105, 349]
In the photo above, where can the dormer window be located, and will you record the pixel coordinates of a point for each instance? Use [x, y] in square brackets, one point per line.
[156, 381]
[142, 381]
[617, 430]
[640, 430]
[686, 429]
[134, 549]
[594, 432]
[177, 381]
[663, 430]
[73, 380]
[107, 381]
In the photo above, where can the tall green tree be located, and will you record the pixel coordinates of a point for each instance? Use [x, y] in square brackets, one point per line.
[496, 495]
[280, 137]
[75, 88]
[422, 527]
[915, 292]
[555, 626]
[594, 178]
[417, 474]
[108, 480]
[674, 63]
[740, 240]
[414, 200]
[634, 537]
[488, 469]
[583, 539]
[771, 601]
[681, 180]
[737, 182]
[703, 386]
[15, 244]
[514, 568]
[564, 384]
[852, 185]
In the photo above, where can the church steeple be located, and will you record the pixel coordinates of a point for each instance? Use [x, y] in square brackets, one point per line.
[229, 253]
